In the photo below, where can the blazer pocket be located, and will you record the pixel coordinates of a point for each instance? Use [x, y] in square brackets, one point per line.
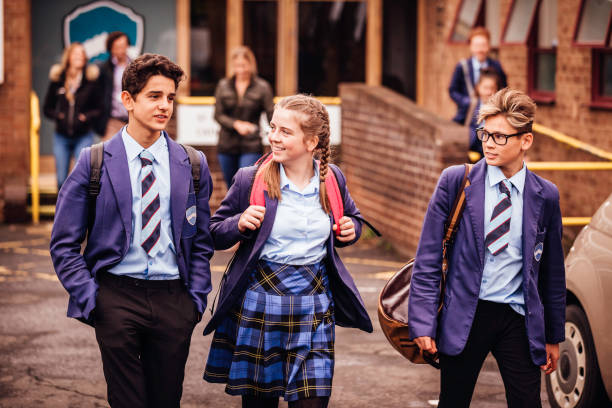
[191, 214]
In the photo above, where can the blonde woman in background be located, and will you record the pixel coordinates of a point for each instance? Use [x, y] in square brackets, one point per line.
[240, 101]
[73, 101]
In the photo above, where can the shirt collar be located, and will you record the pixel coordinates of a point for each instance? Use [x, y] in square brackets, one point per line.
[478, 64]
[495, 175]
[311, 188]
[133, 148]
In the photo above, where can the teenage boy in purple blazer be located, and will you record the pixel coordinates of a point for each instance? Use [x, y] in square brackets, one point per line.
[144, 275]
[505, 290]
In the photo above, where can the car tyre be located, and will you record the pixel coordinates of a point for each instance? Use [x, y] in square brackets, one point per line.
[576, 383]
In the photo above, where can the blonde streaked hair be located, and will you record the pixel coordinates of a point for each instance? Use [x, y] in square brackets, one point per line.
[245, 52]
[314, 122]
[66, 54]
[516, 106]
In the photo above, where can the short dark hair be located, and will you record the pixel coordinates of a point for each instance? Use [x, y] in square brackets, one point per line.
[490, 73]
[114, 36]
[139, 71]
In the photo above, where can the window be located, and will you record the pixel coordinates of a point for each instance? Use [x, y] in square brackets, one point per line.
[519, 21]
[399, 46]
[207, 46]
[542, 57]
[602, 78]
[475, 13]
[593, 26]
[331, 45]
[260, 35]
[593, 29]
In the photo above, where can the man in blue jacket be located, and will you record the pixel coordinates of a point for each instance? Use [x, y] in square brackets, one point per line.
[505, 290]
[144, 275]
[467, 72]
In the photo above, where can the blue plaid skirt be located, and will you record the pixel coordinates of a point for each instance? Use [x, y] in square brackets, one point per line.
[280, 342]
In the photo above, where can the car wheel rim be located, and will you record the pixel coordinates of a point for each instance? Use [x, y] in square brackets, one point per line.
[567, 382]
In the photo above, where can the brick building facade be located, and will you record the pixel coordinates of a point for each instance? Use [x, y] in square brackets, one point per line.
[571, 112]
[15, 111]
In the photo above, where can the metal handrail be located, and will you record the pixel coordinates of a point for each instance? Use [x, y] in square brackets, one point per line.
[210, 100]
[573, 142]
[569, 166]
[35, 156]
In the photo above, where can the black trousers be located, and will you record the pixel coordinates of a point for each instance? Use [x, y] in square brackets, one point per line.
[144, 330]
[498, 329]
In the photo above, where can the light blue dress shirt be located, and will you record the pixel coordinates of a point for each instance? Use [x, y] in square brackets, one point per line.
[502, 279]
[301, 227]
[476, 67]
[137, 263]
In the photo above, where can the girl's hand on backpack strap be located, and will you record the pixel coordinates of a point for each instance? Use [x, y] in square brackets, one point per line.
[347, 229]
[251, 218]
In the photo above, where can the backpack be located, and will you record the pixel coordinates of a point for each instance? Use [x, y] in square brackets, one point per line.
[97, 156]
[334, 195]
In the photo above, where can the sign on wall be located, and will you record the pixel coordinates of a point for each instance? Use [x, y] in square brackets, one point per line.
[91, 23]
[197, 126]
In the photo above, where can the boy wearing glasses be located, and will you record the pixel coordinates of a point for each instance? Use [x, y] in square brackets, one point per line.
[505, 290]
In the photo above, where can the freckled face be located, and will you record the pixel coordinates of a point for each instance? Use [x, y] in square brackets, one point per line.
[287, 139]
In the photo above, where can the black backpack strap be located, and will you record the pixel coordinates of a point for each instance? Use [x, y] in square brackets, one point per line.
[343, 192]
[97, 155]
[194, 159]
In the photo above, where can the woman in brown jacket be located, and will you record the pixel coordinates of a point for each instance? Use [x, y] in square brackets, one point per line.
[240, 101]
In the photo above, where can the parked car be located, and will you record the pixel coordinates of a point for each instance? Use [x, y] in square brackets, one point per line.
[584, 374]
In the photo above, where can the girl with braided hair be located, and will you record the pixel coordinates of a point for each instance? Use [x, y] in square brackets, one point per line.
[286, 287]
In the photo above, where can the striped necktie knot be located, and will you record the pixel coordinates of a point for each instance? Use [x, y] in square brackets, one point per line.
[146, 158]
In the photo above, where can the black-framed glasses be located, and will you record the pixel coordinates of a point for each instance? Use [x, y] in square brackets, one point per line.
[499, 138]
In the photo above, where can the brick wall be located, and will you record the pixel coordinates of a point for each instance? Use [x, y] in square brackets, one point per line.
[570, 114]
[392, 154]
[15, 111]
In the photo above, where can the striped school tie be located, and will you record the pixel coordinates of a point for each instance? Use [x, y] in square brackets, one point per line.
[498, 231]
[151, 219]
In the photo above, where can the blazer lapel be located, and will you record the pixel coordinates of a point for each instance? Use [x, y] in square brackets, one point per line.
[266, 226]
[533, 201]
[115, 163]
[475, 198]
[180, 186]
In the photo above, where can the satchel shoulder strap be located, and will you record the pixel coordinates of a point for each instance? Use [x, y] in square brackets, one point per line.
[452, 224]
[468, 80]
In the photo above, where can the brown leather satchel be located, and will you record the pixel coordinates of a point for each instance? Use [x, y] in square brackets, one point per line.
[393, 300]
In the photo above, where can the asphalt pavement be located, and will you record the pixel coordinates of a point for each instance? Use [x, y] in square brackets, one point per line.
[49, 360]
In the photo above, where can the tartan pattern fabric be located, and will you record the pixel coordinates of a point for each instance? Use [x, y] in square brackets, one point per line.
[498, 230]
[280, 342]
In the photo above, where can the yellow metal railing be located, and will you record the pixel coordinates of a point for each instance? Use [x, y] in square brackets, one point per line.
[572, 166]
[210, 100]
[570, 141]
[35, 157]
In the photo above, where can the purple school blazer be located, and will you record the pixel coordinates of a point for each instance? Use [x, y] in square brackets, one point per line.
[348, 305]
[543, 275]
[111, 232]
